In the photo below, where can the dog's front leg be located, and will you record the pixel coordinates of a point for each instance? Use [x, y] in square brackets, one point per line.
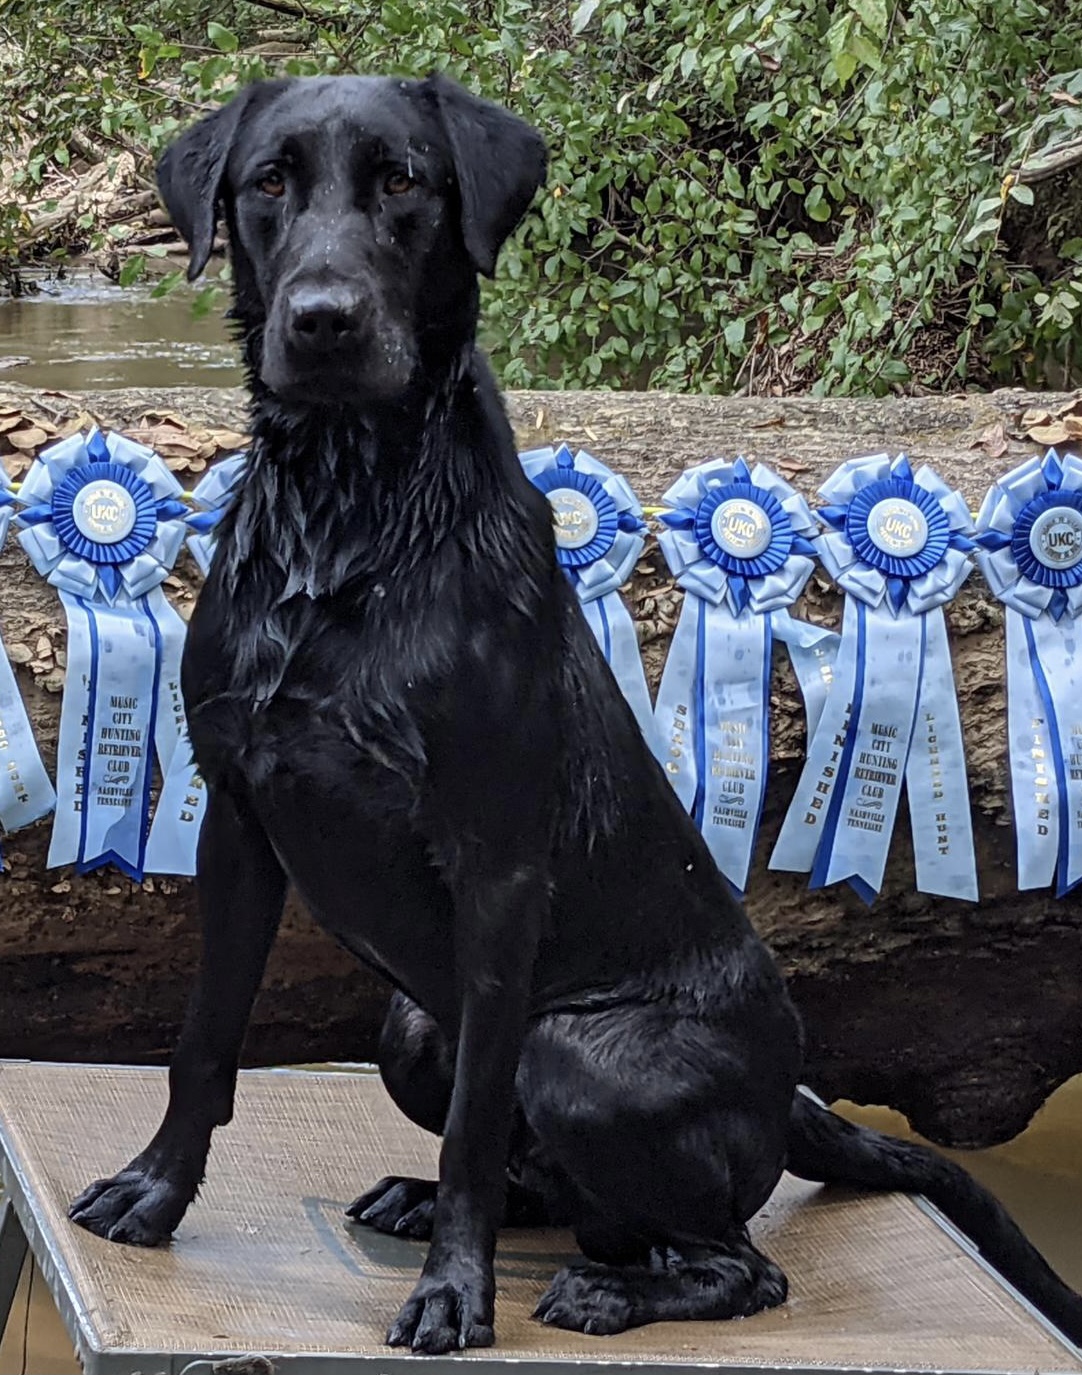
[497, 924]
[241, 895]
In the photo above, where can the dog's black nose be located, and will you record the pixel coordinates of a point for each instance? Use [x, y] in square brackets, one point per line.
[321, 320]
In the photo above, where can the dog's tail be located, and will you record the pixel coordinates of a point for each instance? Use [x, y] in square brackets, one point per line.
[826, 1148]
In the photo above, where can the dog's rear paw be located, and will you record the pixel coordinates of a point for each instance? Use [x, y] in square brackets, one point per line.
[134, 1206]
[588, 1298]
[399, 1206]
[443, 1315]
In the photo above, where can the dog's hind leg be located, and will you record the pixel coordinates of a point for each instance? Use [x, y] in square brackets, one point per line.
[730, 1280]
[241, 892]
[671, 1148]
[416, 1064]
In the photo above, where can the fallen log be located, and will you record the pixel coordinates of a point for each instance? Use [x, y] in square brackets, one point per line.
[965, 1017]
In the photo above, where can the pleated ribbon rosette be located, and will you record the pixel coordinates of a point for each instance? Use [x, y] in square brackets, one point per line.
[738, 543]
[898, 547]
[600, 533]
[101, 521]
[1029, 547]
[26, 791]
[178, 817]
[211, 498]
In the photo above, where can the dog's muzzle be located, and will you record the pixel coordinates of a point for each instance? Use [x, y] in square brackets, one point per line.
[331, 342]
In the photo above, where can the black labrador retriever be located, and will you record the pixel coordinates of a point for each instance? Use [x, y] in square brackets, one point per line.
[399, 708]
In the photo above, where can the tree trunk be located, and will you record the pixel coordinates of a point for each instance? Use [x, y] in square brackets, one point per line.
[965, 1017]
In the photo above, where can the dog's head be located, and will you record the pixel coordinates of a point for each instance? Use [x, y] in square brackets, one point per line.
[360, 210]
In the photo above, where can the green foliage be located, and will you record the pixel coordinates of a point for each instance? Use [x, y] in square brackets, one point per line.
[796, 193]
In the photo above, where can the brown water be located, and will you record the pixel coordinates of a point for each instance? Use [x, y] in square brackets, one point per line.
[88, 334]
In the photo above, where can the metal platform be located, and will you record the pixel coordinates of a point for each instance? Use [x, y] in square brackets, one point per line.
[264, 1262]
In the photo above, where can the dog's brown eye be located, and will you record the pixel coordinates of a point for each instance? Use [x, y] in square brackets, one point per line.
[272, 184]
[398, 183]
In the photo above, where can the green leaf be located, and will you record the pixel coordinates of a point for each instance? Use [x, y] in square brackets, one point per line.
[164, 285]
[864, 50]
[224, 39]
[982, 229]
[817, 207]
[873, 15]
[734, 332]
[132, 270]
[845, 64]
[583, 14]
[1021, 193]
[206, 300]
[940, 107]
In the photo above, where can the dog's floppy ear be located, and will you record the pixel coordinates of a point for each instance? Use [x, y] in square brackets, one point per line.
[190, 173]
[499, 162]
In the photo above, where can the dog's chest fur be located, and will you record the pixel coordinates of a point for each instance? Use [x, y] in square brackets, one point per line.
[355, 604]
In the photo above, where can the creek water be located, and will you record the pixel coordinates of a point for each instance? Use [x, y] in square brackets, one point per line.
[84, 334]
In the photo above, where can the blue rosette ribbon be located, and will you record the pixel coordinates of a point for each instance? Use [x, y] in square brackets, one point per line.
[26, 791]
[211, 498]
[101, 521]
[1029, 547]
[178, 817]
[600, 533]
[898, 547]
[737, 540]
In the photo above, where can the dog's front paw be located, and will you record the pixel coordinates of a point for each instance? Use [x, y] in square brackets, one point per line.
[397, 1205]
[444, 1315]
[588, 1298]
[137, 1206]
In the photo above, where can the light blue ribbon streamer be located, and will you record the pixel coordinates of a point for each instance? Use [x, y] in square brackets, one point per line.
[940, 819]
[732, 735]
[813, 652]
[106, 736]
[1034, 784]
[211, 498]
[805, 822]
[169, 724]
[26, 792]
[714, 698]
[122, 635]
[864, 804]
[1043, 600]
[892, 673]
[1058, 673]
[614, 630]
[600, 566]
[678, 723]
[178, 817]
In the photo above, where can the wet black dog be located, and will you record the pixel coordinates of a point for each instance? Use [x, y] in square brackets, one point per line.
[399, 708]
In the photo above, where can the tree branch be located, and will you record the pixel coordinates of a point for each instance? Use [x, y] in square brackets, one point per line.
[1051, 164]
[299, 11]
